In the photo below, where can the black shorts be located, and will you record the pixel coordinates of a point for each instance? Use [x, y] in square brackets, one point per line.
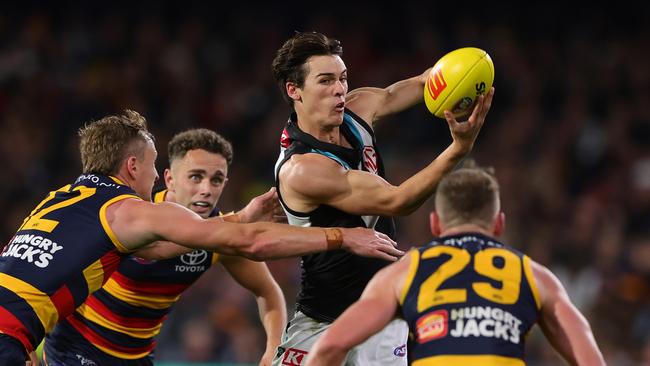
[66, 347]
[12, 352]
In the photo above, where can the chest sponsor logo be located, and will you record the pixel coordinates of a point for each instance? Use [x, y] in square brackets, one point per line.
[432, 326]
[194, 257]
[194, 261]
[293, 357]
[370, 159]
[485, 321]
[33, 249]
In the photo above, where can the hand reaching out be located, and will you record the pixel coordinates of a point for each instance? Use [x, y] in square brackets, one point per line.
[265, 207]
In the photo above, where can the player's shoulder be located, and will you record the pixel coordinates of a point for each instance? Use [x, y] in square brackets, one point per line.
[309, 165]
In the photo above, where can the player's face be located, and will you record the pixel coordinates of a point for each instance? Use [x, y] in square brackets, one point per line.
[323, 93]
[148, 174]
[197, 180]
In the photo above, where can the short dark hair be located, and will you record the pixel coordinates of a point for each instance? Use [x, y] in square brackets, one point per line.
[105, 143]
[468, 195]
[198, 138]
[289, 64]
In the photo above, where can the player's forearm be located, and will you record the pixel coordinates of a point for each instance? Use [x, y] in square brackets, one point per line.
[581, 347]
[273, 315]
[403, 95]
[413, 192]
[325, 356]
[261, 241]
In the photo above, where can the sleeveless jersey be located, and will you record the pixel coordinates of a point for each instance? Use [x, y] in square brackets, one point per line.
[124, 316]
[469, 300]
[333, 280]
[63, 252]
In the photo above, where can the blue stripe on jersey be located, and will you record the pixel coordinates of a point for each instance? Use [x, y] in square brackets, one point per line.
[332, 156]
[350, 122]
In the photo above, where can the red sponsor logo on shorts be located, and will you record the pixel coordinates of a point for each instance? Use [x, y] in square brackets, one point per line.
[293, 357]
[432, 326]
[370, 159]
[436, 84]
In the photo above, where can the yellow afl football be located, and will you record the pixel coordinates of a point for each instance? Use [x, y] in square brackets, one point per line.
[456, 81]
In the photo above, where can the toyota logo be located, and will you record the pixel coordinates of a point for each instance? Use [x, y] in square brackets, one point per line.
[194, 257]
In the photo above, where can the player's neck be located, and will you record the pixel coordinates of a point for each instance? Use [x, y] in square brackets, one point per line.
[322, 132]
[466, 228]
[170, 196]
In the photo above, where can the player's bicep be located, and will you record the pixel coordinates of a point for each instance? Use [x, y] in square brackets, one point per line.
[159, 250]
[365, 194]
[139, 223]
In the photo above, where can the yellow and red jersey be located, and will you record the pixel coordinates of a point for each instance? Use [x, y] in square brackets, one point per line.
[124, 316]
[63, 252]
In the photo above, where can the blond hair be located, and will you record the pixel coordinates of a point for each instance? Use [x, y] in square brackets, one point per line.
[104, 144]
[468, 195]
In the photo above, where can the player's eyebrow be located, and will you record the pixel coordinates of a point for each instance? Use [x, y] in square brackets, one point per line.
[331, 73]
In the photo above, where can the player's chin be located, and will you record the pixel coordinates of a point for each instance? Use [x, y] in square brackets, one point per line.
[336, 116]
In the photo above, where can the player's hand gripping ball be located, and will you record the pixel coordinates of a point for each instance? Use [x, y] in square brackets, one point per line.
[456, 81]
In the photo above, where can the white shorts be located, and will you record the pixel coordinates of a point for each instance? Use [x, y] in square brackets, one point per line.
[388, 347]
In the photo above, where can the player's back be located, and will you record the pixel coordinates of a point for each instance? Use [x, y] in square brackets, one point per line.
[469, 300]
[63, 251]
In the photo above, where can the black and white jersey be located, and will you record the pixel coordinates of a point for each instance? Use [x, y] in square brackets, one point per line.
[332, 281]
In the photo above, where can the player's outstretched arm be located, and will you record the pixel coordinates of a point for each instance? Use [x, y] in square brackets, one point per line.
[371, 313]
[257, 278]
[313, 179]
[563, 325]
[373, 104]
[136, 223]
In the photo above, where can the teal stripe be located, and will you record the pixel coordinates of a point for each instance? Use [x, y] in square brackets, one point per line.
[351, 123]
[330, 155]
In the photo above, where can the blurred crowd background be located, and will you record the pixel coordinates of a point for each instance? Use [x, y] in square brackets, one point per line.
[568, 133]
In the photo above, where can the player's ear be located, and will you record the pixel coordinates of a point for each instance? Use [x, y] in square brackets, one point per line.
[132, 166]
[169, 180]
[293, 91]
[499, 224]
[434, 223]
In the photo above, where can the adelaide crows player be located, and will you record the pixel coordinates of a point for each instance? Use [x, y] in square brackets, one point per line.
[74, 239]
[117, 324]
[468, 298]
